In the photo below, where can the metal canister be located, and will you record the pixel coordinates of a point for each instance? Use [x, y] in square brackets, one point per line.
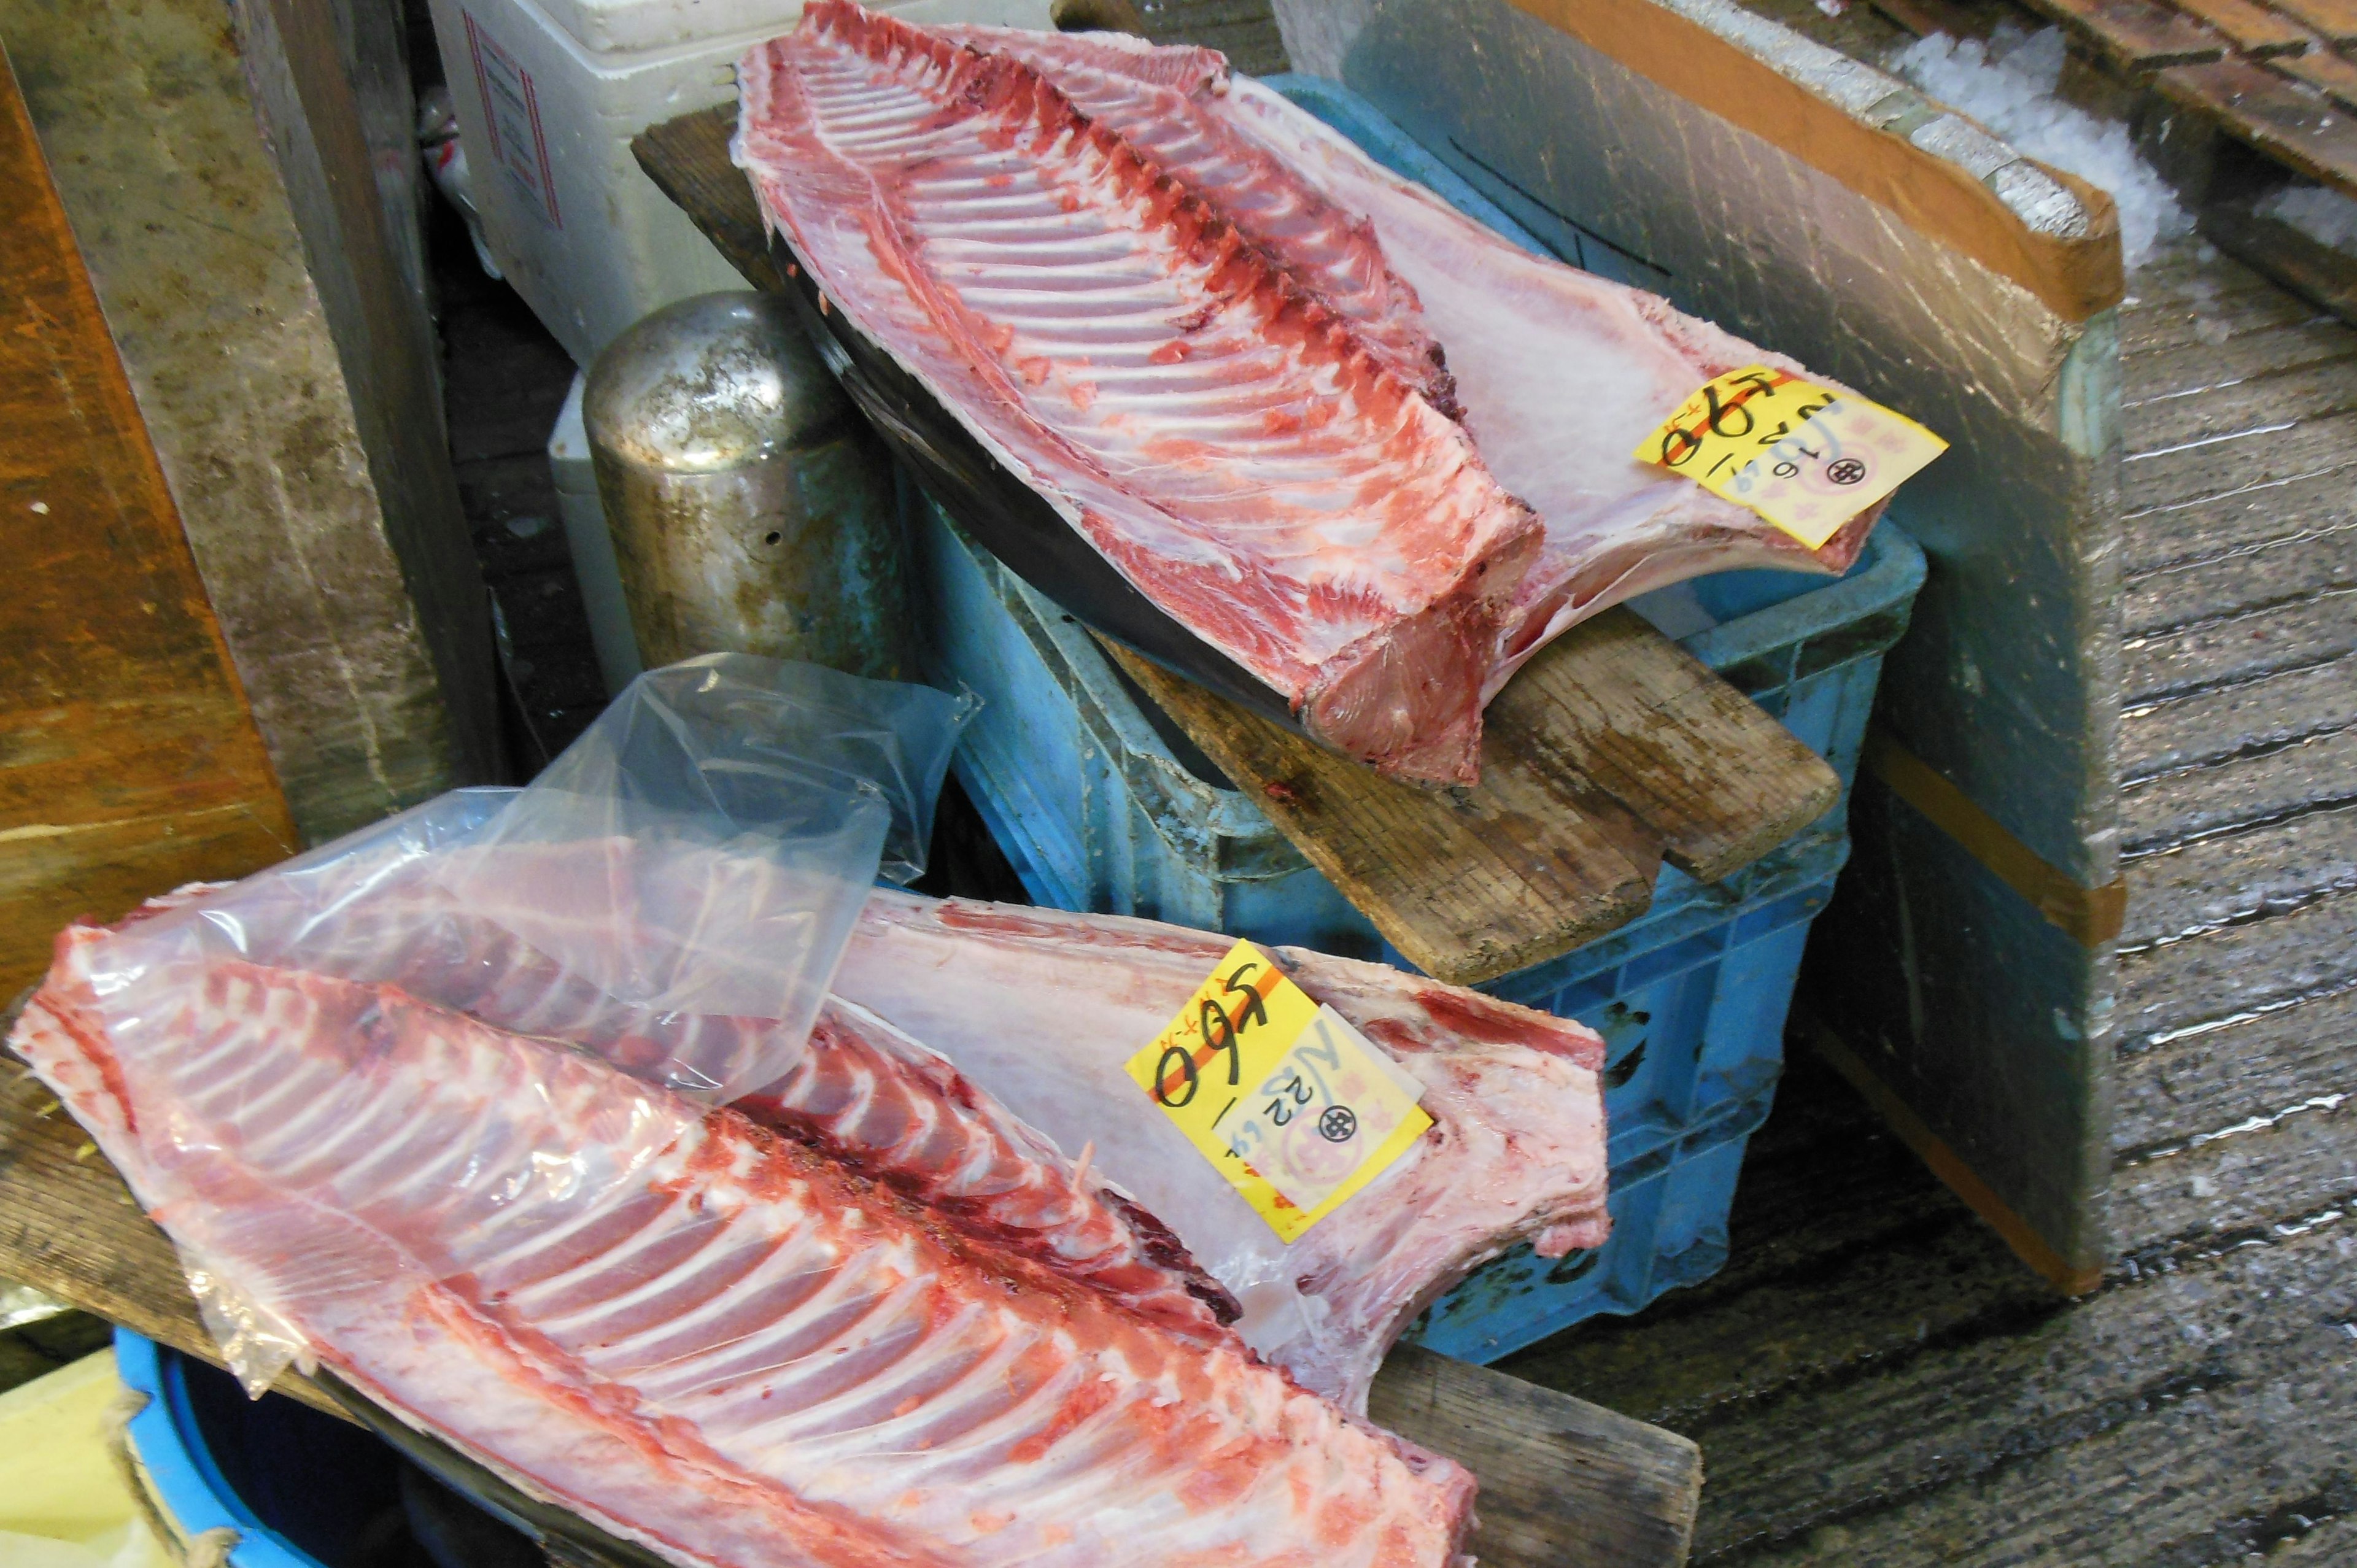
[751, 509]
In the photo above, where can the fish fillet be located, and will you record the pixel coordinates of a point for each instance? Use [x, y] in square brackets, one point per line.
[700, 1336]
[1267, 466]
[1037, 1013]
[1028, 1016]
[1559, 373]
[863, 1092]
[1043, 1010]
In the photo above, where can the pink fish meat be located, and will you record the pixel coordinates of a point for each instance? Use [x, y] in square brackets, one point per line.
[862, 1092]
[1019, 1021]
[700, 1336]
[1555, 374]
[1044, 1009]
[1558, 374]
[1236, 445]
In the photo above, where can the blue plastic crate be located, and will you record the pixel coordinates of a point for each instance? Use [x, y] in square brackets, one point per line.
[1102, 804]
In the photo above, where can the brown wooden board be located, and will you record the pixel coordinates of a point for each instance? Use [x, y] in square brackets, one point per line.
[1563, 1481]
[1611, 751]
[1605, 754]
[2134, 35]
[128, 761]
[2251, 26]
[2326, 70]
[2336, 19]
[1468, 885]
[2302, 128]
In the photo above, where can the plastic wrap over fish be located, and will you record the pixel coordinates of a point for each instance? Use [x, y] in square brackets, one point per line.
[792, 785]
[723, 1344]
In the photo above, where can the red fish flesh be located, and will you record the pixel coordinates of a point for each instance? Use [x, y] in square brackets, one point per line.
[1557, 374]
[700, 1336]
[1264, 468]
[973, 1054]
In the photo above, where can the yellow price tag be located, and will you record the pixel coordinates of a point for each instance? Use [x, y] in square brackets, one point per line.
[1288, 1102]
[1803, 456]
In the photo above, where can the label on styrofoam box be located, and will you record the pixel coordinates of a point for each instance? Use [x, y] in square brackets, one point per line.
[1803, 456]
[1288, 1102]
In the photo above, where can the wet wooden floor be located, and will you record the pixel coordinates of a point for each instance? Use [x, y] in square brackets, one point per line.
[1873, 1379]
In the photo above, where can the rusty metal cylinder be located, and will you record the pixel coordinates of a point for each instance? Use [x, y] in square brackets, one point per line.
[751, 509]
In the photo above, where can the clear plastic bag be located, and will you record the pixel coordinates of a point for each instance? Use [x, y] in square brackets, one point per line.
[687, 872]
[672, 894]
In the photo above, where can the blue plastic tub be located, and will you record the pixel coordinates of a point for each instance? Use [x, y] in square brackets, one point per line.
[299, 1487]
[1101, 804]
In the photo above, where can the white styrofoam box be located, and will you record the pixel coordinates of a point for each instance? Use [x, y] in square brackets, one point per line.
[593, 547]
[549, 96]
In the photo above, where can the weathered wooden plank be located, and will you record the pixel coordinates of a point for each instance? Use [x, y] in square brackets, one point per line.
[2249, 26]
[1468, 885]
[2320, 562]
[2274, 395]
[2163, 374]
[2326, 70]
[2300, 263]
[1955, 1419]
[2239, 791]
[688, 161]
[2242, 970]
[2193, 535]
[2134, 35]
[2336, 19]
[2233, 879]
[2208, 312]
[329, 543]
[2260, 1067]
[2301, 127]
[2298, 1157]
[2265, 454]
[1562, 1480]
[1611, 750]
[128, 760]
[1698, 763]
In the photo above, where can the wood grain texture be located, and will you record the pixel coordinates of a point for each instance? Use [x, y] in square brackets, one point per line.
[1612, 750]
[2250, 26]
[256, 405]
[1617, 703]
[2336, 19]
[688, 161]
[2302, 129]
[2134, 35]
[2297, 259]
[1563, 1481]
[128, 761]
[2326, 70]
[1468, 885]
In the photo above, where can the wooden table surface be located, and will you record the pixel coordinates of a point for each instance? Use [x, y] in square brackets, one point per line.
[1563, 1482]
[1612, 751]
[128, 760]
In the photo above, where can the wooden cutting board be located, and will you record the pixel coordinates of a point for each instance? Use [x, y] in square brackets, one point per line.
[1613, 750]
[1563, 1481]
